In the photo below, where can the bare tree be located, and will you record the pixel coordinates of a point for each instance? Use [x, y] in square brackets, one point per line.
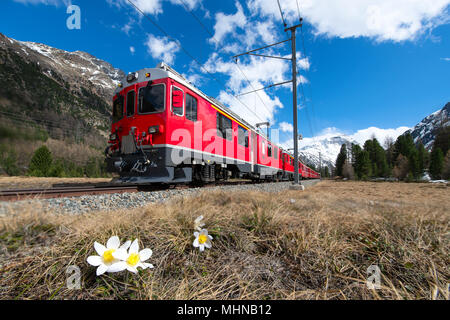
[348, 171]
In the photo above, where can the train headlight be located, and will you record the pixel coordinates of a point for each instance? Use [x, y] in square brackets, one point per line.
[153, 129]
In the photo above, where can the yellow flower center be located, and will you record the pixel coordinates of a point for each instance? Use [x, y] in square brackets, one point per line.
[202, 238]
[107, 255]
[133, 259]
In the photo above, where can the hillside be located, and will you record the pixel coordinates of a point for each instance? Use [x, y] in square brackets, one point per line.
[51, 94]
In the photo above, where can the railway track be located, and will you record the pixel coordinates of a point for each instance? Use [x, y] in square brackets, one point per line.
[73, 191]
[60, 192]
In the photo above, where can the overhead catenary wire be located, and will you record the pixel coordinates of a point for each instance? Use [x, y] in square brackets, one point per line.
[191, 56]
[221, 47]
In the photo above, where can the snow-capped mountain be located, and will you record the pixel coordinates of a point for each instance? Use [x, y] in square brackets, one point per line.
[325, 147]
[79, 69]
[425, 131]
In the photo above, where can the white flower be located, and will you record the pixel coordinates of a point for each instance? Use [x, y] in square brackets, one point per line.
[134, 258]
[198, 224]
[105, 261]
[202, 240]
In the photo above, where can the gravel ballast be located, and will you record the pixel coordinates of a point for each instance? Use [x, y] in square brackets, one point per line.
[114, 201]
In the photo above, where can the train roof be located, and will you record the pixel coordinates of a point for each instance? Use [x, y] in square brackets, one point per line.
[162, 70]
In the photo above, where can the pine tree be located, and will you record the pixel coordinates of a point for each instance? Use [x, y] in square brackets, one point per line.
[342, 156]
[363, 165]
[442, 139]
[41, 162]
[424, 157]
[436, 163]
[327, 172]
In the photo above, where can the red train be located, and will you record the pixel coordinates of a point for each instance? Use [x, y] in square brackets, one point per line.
[164, 130]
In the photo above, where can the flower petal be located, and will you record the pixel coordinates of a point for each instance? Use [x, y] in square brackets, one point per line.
[210, 237]
[120, 254]
[94, 260]
[126, 245]
[132, 269]
[101, 269]
[199, 218]
[134, 248]
[208, 244]
[196, 234]
[117, 267]
[202, 247]
[147, 265]
[99, 248]
[195, 243]
[113, 243]
[145, 254]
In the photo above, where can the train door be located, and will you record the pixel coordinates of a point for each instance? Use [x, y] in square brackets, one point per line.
[254, 150]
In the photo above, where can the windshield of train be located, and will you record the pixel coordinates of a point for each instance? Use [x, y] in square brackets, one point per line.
[151, 99]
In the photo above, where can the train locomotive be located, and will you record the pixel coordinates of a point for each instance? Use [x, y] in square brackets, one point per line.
[165, 130]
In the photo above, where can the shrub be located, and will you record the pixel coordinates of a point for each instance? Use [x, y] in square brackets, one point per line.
[41, 162]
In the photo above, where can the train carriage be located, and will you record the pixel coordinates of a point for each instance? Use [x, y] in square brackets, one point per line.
[164, 130]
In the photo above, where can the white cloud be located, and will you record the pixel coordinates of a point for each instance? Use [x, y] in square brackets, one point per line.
[162, 48]
[286, 127]
[260, 72]
[153, 7]
[226, 24]
[132, 50]
[361, 136]
[445, 59]
[382, 20]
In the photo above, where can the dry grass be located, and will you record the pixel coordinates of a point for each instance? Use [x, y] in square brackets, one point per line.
[265, 246]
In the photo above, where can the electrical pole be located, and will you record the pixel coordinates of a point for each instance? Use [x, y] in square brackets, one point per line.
[294, 99]
[294, 86]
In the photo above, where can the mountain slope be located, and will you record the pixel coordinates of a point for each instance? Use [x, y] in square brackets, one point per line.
[426, 130]
[53, 97]
[68, 92]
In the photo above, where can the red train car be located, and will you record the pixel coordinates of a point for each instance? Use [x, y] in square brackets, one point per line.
[164, 130]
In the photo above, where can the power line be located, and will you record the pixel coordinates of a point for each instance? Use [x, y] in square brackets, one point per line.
[281, 12]
[189, 55]
[221, 47]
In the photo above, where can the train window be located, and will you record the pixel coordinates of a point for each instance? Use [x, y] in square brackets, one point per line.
[178, 110]
[130, 102]
[117, 109]
[191, 107]
[242, 136]
[275, 152]
[269, 150]
[224, 127]
[151, 98]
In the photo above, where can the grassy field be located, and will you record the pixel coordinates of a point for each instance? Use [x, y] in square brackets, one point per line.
[315, 244]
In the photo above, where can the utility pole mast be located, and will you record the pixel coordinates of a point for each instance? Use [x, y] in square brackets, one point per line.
[294, 86]
[294, 98]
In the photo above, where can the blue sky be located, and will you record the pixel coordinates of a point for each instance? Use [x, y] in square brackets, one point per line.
[368, 63]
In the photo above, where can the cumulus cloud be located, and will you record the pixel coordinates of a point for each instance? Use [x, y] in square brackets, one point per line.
[226, 24]
[286, 127]
[153, 7]
[361, 136]
[132, 50]
[382, 20]
[162, 48]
